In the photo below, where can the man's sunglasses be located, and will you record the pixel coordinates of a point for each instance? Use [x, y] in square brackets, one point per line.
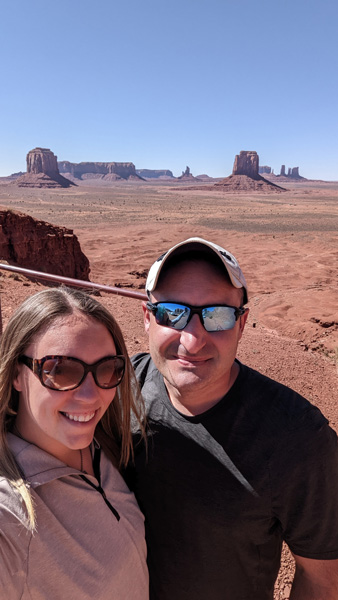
[64, 373]
[177, 316]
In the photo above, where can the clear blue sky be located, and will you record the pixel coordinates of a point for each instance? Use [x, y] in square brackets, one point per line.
[170, 84]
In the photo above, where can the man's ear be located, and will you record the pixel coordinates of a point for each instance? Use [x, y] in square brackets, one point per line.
[146, 316]
[242, 321]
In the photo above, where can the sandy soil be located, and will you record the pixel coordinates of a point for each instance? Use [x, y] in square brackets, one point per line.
[286, 245]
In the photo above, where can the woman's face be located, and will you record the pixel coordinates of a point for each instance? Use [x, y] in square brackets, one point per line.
[49, 418]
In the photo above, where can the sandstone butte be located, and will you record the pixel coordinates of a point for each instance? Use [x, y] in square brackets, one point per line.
[42, 171]
[108, 171]
[245, 176]
[32, 244]
[155, 173]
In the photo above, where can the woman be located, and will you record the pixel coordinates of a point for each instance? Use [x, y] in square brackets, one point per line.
[69, 525]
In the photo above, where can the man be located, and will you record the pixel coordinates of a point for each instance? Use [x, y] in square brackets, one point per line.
[235, 463]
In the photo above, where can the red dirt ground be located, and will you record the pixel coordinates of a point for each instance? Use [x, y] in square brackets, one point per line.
[286, 245]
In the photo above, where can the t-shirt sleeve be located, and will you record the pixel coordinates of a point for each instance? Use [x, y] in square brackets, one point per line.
[304, 481]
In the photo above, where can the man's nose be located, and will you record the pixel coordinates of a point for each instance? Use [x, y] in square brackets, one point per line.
[194, 336]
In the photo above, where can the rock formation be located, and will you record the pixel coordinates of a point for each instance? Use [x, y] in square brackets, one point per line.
[246, 163]
[293, 173]
[155, 174]
[244, 183]
[186, 175]
[245, 177]
[205, 177]
[109, 171]
[42, 171]
[37, 245]
[42, 160]
[264, 170]
[16, 175]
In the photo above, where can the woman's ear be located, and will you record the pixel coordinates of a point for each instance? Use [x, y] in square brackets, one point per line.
[17, 381]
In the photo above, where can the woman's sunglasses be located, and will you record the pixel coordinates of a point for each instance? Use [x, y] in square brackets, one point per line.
[177, 316]
[64, 373]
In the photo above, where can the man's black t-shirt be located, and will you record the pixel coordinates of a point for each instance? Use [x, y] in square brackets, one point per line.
[220, 491]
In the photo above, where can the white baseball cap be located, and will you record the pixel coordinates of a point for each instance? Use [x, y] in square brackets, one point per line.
[228, 260]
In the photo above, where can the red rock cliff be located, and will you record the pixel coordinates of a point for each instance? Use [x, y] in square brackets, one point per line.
[42, 160]
[33, 244]
[246, 163]
[107, 170]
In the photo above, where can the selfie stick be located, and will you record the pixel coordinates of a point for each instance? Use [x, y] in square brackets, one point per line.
[73, 283]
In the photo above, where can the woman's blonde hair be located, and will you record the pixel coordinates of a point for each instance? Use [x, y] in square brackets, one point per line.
[36, 314]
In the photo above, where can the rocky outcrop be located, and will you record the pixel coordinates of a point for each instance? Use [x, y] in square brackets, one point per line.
[245, 177]
[155, 174]
[42, 171]
[246, 163]
[40, 180]
[293, 173]
[264, 170]
[244, 183]
[16, 175]
[187, 176]
[204, 177]
[110, 171]
[37, 245]
[42, 160]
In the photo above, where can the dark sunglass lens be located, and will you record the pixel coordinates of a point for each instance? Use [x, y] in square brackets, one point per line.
[61, 373]
[110, 372]
[219, 318]
[172, 315]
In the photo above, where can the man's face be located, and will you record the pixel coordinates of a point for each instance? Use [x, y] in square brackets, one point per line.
[193, 361]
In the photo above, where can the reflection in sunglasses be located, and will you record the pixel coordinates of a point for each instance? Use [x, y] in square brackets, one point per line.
[213, 318]
[63, 373]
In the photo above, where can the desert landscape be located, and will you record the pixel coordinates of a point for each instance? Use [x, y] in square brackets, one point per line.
[286, 244]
